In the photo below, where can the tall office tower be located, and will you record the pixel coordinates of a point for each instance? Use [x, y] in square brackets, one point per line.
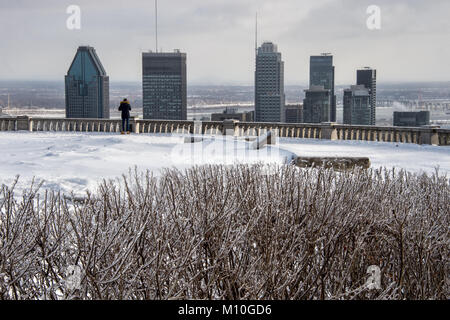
[368, 78]
[357, 109]
[164, 85]
[317, 105]
[87, 86]
[321, 73]
[269, 85]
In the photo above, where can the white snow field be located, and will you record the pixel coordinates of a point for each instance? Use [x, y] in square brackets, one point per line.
[79, 161]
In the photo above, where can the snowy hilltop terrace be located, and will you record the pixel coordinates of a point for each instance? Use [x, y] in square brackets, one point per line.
[74, 155]
[78, 161]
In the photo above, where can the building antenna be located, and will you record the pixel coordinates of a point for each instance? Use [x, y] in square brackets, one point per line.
[156, 24]
[8, 101]
[256, 34]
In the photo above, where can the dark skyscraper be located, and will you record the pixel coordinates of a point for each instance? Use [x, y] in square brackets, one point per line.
[322, 74]
[357, 109]
[317, 105]
[87, 86]
[368, 78]
[164, 85]
[269, 84]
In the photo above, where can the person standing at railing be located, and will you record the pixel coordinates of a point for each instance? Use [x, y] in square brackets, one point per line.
[125, 108]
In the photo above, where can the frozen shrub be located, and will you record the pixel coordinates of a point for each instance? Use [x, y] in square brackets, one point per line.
[230, 232]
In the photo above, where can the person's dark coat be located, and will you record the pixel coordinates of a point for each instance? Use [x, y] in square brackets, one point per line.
[125, 108]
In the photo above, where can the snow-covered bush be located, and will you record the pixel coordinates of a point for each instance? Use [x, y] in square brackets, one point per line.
[231, 232]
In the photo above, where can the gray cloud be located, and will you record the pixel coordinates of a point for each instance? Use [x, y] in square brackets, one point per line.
[218, 36]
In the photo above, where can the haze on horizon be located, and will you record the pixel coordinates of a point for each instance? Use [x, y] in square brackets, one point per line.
[219, 37]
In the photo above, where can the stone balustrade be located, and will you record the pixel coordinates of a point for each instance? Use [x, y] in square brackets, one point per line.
[419, 135]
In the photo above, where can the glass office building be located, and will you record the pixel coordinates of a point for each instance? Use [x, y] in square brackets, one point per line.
[87, 86]
[357, 109]
[411, 118]
[321, 73]
[368, 78]
[317, 105]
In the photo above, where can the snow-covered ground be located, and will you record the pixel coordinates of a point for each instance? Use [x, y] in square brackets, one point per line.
[78, 161]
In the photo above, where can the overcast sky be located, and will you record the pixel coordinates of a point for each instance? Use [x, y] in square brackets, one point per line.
[413, 43]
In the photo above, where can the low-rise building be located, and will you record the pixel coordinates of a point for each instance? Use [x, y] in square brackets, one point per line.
[232, 114]
[411, 118]
[294, 113]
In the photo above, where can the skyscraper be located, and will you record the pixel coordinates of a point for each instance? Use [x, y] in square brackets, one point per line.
[269, 84]
[317, 105]
[368, 78]
[357, 109]
[164, 85]
[87, 86]
[321, 73]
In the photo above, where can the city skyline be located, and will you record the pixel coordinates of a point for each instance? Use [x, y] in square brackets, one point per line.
[411, 31]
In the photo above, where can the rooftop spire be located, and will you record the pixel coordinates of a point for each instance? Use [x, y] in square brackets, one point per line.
[156, 24]
[256, 34]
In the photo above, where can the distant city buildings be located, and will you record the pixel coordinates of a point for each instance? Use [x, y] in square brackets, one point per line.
[294, 113]
[357, 108]
[269, 84]
[317, 105]
[164, 85]
[164, 90]
[411, 119]
[232, 114]
[368, 78]
[87, 86]
[321, 73]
